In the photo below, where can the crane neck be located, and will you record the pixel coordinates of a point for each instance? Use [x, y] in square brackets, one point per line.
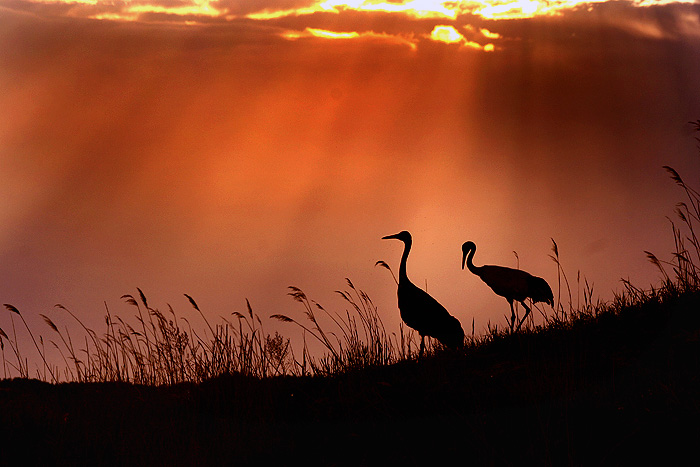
[470, 261]
[403, 276]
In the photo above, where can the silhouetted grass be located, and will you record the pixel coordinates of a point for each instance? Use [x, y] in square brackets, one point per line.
[345, 348]
[154, 348]
[160, 349]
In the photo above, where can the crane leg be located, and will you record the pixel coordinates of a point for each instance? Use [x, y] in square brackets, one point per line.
[422, 346]
[512, 315]
[527, 312]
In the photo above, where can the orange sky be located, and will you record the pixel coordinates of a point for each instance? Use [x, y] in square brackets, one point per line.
[230, 149]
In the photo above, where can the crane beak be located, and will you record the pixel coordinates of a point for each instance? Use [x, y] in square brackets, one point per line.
[390, 236]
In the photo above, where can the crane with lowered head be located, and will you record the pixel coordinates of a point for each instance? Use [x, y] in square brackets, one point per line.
[512, 284]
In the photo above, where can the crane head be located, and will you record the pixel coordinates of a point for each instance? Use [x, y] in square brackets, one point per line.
[466, 248]
[404, 236]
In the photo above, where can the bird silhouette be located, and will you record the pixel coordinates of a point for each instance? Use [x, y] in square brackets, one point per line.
[513, 284]
[422, 312]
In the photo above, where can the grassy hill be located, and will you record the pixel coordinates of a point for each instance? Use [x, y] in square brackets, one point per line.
[617, 388]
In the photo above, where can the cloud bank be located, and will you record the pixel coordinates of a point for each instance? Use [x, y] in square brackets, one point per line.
[406, 22]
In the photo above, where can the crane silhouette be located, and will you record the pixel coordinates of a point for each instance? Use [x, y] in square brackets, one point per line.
[421, 311]
[513, 284]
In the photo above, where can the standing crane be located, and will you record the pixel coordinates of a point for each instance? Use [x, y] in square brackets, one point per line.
[513, 284]
[422, 312]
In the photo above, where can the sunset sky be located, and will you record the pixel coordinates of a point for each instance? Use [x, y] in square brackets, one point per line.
[229, 149]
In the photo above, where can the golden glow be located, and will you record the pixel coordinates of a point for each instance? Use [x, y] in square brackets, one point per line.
[516, 9]
[68, 2]
[370, 35]
[489, 34]
[447, 34]
[331, 34]
[198, 8]
[116, 16]
[132, 11]
[274, 14]
[414, 8]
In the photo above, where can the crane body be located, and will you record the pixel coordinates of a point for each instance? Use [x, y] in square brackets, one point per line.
[420, 311]
[512, 284]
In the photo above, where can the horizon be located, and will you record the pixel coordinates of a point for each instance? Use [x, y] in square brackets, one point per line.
[228, 150]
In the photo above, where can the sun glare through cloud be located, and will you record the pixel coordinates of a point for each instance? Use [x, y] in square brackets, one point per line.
[450, 35]
[451, 20]
[446, 34]
[192, 11]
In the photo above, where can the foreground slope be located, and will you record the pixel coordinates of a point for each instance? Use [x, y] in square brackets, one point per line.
[615, 389]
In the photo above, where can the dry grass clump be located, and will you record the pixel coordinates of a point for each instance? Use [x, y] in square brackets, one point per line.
[160, 349]
[360, 340]
[156, 348]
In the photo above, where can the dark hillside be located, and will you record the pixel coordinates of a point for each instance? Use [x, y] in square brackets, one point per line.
[616, 389]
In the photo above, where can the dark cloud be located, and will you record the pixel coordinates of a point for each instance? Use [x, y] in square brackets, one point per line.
[602, 21]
